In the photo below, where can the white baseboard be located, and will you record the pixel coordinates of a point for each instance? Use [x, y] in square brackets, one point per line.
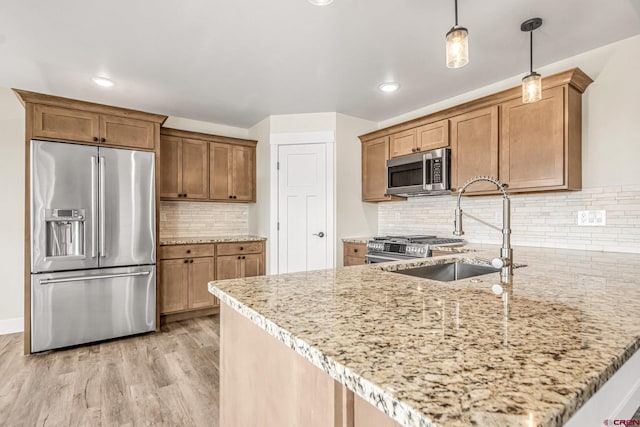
[11, 326]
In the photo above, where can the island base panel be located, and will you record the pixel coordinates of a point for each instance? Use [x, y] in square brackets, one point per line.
[263, 382]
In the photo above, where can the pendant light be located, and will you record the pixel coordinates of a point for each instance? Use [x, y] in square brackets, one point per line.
[457, 44]
[532, 82]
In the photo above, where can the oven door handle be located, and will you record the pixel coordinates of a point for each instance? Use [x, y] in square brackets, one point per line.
[379, 258]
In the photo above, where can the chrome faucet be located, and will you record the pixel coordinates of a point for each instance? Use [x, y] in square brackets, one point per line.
[505, 261]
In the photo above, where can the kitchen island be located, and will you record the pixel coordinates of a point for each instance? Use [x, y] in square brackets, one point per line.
[363, 343]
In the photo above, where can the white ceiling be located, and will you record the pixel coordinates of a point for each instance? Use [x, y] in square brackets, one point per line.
[237, 61]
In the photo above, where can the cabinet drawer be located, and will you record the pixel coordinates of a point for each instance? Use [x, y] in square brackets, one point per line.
[353, 260]
[355, 249]
[239, 248]
[186, 251]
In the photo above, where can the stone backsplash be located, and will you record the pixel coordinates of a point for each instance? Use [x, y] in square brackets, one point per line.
[195, 219]
[543, 220]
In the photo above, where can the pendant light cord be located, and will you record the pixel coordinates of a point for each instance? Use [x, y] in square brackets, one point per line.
[456, 6]
[530, 52]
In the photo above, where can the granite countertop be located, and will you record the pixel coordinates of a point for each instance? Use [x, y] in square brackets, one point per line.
[429, 353]
[208, 239]
[356, 239]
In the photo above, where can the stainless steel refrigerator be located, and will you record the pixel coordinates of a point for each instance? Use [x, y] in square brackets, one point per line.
[93, 231]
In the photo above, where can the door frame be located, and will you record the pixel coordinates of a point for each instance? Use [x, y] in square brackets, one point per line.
[299, 138]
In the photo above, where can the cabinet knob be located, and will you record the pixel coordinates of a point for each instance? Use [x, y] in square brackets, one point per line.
[234, 197]
[231, 197]
[418, 149]
[190, 261]
[184, 195]
[355, 250]
[95, 139]
[242, 248]
[413, 150]
[188, 251]
[103, 140]
[186, 261]
[239, 257]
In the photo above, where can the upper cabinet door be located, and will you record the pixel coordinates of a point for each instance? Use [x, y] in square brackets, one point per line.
[533, 141]
[65, 124]
[474, 148]
[403, 143]
[244, 172]
[375, 154]
[195, 171]
[127, 132]
[220, 171]
[170, 166]
[433, 136]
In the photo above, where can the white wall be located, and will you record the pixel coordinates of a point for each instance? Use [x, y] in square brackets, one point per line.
[259, 212]
[610, 168]
[12, 163]
[353, 217]
[206, 127]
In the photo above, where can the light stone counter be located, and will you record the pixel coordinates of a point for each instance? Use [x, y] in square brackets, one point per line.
[429, 353]
[208, 239]
[356, 239]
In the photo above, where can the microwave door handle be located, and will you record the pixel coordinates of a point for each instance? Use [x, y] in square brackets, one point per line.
[426, 180]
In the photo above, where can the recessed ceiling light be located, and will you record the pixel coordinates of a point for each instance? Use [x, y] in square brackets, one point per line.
[103, 81]
[320, 2]
[389, 87]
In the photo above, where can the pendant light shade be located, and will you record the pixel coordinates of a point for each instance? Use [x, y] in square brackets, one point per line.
[531, 88]
[532, 82]
[457, 44]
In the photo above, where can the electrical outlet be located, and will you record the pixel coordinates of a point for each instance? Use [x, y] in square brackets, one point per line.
[592, 218]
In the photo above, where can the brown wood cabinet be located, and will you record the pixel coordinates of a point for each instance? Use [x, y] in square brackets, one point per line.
[474, 148]
[540, 142]
[184, 168]
[423, 138]
[529, 147]
[354, 253]
[375, 154]
[185, 271]
[67, 124]
[232, 173]
[202, 167]
[242, 259]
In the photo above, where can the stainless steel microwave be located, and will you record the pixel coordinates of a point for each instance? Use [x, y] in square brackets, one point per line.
[421, 174]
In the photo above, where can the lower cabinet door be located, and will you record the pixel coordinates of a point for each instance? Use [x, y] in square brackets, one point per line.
[252, 265]
[228, 267]
[201, 272]
[174, 288]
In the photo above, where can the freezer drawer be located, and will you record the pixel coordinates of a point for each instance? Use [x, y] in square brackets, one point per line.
[78, 307]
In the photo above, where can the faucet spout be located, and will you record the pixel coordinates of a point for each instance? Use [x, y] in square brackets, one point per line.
[505, 261]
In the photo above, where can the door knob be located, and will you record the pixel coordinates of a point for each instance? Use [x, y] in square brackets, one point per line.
[320, 234]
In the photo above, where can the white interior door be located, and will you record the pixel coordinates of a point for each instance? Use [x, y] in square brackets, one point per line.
[302, 208]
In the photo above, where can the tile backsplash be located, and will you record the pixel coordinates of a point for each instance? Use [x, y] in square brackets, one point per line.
[194, 219]
[545, 220]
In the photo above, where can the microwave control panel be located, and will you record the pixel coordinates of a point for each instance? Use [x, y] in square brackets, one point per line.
[436, 171]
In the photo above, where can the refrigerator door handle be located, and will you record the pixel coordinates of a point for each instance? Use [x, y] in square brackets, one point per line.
[103, 246]
[84, 278]
[94, 206]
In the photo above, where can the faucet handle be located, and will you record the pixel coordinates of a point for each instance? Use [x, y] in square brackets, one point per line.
[500, 262]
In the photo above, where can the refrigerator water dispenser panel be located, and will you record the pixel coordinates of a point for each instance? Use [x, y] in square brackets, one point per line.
[65, 233]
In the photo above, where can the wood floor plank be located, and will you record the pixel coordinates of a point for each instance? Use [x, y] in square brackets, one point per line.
[164, 379]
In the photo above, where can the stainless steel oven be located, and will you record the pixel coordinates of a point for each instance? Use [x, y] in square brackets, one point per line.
[420, 174]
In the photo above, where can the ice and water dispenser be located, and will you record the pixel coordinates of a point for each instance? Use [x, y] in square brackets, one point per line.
[65, 232]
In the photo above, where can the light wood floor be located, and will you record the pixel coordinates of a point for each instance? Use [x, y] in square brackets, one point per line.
[162, 379]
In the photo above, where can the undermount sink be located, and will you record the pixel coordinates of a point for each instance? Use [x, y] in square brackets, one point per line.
[449, 272]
